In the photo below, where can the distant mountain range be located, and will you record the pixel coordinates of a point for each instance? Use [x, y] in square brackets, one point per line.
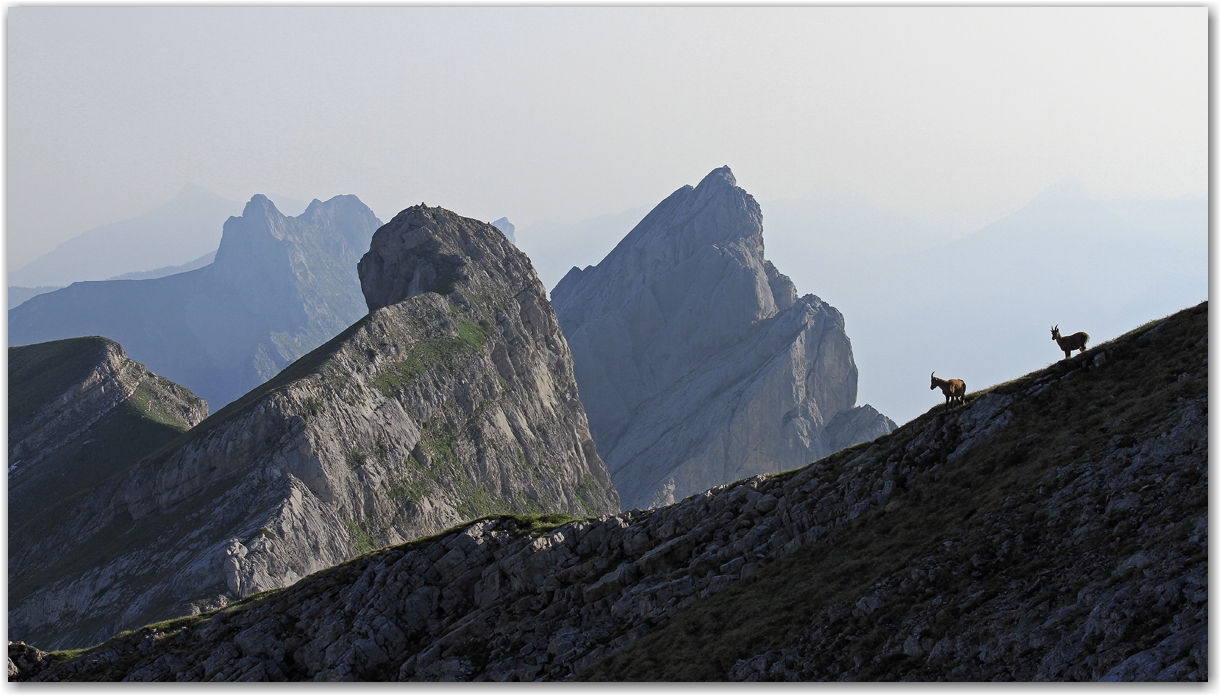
[19, 295]
[177, 233]
[183, 229]
[203, 260]
[836, 219]
[279, 287]
[981, 307]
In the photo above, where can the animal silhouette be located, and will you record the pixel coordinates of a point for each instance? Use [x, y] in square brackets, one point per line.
[954, 389]
[1075, 341]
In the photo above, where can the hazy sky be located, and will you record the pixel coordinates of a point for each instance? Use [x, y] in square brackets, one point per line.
[948, 114]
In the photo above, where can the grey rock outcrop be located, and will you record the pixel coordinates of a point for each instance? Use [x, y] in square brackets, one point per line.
[79, 411]
[279, 287]
[1084, 563]
[454, 398]
[697, 362]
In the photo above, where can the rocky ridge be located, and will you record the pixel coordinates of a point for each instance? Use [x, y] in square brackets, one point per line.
[278, 288]
[78, 408]
[1054, 527]
[697, 362]
[452, 399]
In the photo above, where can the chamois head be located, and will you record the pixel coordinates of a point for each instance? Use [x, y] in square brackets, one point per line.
[1055, 332]
[934, 380]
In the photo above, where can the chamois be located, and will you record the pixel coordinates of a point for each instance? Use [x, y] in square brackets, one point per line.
[1071, 342]
[954, 389]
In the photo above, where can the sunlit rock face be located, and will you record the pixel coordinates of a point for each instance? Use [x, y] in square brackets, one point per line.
[697, 362]
[454, 398]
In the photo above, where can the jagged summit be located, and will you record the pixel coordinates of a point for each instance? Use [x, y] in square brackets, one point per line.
[716, 211]
[696, 360]
[279, 286]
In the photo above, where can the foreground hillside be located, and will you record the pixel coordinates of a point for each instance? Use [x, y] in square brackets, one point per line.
[452, 399]
[1054, 527]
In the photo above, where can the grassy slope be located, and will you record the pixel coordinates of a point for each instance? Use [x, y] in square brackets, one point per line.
[55, 514]
[769, 609]
[40, 373]
[122, 535]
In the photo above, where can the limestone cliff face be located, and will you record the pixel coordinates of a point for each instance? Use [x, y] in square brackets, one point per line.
[79, 411]
[278, 288]
[452, 399]
[697, 362]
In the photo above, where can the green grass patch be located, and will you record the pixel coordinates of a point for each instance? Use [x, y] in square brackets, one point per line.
[408, 490]
[473, 499]
[148, 404]
[356, 458]
[362, 540]
[447, 353]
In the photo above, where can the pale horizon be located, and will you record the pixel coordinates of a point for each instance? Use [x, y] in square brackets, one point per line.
[951, 116]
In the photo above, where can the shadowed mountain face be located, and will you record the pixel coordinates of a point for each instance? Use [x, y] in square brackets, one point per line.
[1052, 528]
[80, 412]
[452, 399]
[697, 362]
[279, 287]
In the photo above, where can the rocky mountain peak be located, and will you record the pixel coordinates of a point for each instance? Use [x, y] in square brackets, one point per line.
[507, 227]
[452, 399]
[697, 363]
[715, 212]
[427, 249]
